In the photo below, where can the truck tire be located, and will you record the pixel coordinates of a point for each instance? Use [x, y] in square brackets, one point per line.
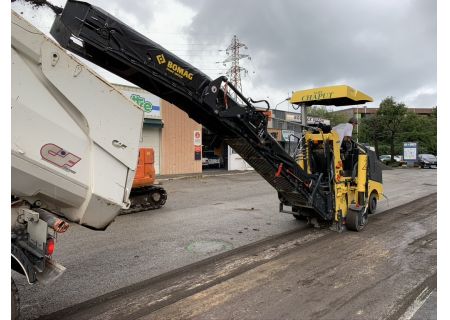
[15, 303]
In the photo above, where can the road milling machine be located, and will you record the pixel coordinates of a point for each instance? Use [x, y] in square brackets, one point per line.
[319, 183]
[355, 176]
[75, 138]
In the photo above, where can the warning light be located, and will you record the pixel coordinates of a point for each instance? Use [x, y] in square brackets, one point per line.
[50, 246]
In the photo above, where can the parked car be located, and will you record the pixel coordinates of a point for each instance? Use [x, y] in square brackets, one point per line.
[427, 161]
[209, 159]
[385, 158]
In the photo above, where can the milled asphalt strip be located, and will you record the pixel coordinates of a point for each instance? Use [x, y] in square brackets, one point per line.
[153, 294]
[341, 276]
[415, 299]
[85, 309]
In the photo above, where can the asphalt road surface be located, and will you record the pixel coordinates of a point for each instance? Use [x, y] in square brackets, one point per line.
[203, 218]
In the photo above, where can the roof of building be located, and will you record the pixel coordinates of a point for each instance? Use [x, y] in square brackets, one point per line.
[366, 110]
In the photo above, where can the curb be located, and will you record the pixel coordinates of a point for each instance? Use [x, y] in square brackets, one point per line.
[203, 175]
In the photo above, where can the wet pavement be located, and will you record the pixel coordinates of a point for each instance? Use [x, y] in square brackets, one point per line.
[202, 217]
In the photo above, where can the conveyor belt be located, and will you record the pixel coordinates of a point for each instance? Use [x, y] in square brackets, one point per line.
[104, 40]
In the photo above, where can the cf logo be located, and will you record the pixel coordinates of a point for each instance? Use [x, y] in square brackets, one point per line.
[58, 156]
[160, 58]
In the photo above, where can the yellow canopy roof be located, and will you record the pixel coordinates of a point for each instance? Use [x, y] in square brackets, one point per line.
[330, 96]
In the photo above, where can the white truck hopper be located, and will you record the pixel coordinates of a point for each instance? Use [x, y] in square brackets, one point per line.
[74, 137]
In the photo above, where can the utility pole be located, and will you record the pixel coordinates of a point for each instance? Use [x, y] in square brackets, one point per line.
[235, 70]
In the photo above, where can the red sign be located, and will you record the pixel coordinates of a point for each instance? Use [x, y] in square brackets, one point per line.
[197, 138]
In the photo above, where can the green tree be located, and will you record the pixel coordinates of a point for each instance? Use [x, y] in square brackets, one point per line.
[421, 129]
[391, 116]
[371, 131]
[409, 126]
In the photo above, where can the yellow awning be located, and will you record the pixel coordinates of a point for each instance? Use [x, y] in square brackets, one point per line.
[330, 96]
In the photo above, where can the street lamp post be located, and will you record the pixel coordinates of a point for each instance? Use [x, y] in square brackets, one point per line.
[357, 123]
[287, 99]
[304, 119]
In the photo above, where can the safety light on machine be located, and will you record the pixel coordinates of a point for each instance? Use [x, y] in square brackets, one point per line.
[50, 246]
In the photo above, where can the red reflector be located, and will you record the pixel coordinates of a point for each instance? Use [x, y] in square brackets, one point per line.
[50, 246]
[280, 167]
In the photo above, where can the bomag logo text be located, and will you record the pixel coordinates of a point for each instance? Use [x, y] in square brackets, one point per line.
[160, 58]
[178, 71]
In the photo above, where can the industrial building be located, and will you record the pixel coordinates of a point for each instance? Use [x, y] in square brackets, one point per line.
[175, 138]
[363, 112]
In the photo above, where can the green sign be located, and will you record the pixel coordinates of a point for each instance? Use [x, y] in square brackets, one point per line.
[140, 101]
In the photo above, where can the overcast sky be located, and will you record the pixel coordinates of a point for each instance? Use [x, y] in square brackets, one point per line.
[381, 47]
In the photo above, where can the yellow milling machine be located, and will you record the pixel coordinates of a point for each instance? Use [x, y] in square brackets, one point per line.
[353, 170]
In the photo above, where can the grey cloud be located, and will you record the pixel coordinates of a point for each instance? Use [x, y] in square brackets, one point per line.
[140, 10]
[384, 48]
[381, 47]
[424, 100]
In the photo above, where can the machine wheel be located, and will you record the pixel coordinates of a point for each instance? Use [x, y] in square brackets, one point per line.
[372, 203]
[15, 303]
[356, 220]
[156, 196]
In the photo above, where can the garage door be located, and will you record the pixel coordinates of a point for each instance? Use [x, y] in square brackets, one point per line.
[151, 137]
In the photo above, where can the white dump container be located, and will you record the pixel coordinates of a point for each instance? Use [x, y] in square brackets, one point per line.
[74, 137]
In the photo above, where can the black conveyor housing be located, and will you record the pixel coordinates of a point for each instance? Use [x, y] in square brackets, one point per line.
[104, 40]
